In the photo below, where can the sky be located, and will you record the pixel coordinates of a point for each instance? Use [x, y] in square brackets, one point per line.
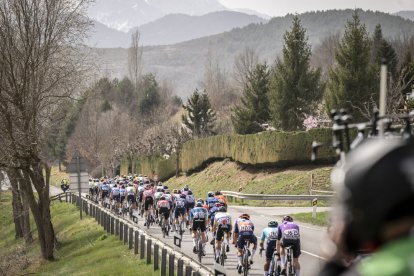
[283, 7]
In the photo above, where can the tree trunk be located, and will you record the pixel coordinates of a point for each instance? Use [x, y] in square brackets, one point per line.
[27, 233]
[17, 205]
[177, 164]
[41, 207]
[60, 166]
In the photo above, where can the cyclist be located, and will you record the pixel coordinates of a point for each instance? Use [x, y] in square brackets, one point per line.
[115, 196]
[242, 232]
[104, 191]
[130, 191]
[375, 212]
[164, 208]
[198, 220]
[190, 204]
[221, 227]
[148, 199]
[211, 213]
[157, 196]
[180, 210]
[211, 200]
[185, 190]
[269, 235]
[288, 235]
[221, 198]
[122, 193]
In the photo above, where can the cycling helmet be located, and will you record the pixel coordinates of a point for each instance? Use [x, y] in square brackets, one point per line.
[183, 196]
[221, 209]
[210, 194]
[375, 188]
[217, 193]
[162, 197]
[174, 191]
[159, 190]
[272, 223]
[199, 204]
[190, 192]
[186, 188]
[245, 216]
[179, 192]
[200, 200]
[165, 187]
[287, 218]
[167, 192]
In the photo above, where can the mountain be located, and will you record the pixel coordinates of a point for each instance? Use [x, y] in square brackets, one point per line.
[406, 14]
[101, 36]
[125, 14]
[253, 12]
[175, 28]
[184, 62]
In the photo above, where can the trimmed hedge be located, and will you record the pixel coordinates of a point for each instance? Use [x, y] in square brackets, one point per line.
[266, 148]
[276, 148]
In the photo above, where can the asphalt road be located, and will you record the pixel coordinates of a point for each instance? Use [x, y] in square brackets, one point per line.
[311, 238]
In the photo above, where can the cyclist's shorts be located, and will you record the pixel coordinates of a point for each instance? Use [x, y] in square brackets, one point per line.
[164, 211]
[122, 198]
[220, 232]
[117, 198]
[104, 194]
[190, 205]
[241, 241]
[179, 212]
[149, 201]
[270, 248]
[131, 198]
[140, 197]
[199, 225]
[295, 246]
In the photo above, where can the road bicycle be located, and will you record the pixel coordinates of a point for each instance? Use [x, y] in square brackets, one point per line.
[199, 245]
[223, 255]
[245, 259]
[290, 269]
[165, 227]
[274, 266]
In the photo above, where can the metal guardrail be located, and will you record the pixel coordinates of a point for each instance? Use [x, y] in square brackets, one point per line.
[275, 197]
[155, 251]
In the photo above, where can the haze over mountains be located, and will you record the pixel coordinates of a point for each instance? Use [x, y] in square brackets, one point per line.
[173, 28]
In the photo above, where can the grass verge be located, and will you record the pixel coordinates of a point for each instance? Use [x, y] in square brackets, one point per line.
[84, 249]
[229, 176]
[321, 219]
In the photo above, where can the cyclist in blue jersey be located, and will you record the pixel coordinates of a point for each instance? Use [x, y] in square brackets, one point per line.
[269, 235]
[180, 210]
[243, 232]
[198, 220]
[211, 200]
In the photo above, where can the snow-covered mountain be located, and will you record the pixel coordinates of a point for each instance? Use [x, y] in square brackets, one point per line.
[125, 14]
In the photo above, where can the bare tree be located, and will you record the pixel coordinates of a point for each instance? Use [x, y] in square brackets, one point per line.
[244, 64]
[41, 64]
[323, 55]
[135, 58]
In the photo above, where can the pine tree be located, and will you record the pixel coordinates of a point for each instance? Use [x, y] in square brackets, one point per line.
[151, 94]
[294, 87]
[200, 116]
[407, 71]
[351, 84]
[254, 109]
[382, 52]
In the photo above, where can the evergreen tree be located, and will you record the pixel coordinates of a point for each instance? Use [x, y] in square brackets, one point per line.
[200, 116]
[254, 109]
[294, 87]
[352, 83]
[151, 94]
[383, 52]
[407, 71]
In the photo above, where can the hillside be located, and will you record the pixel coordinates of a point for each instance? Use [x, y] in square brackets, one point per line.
[406, 14]
[226, 175]
[184, 62]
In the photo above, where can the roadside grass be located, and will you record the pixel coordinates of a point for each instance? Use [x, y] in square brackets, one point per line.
[229, 176]
[84, 247]
[322, 218]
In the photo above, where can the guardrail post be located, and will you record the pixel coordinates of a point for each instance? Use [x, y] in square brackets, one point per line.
[108, 223]
[164, 262]
[66, 197]
[180, 268]
[125, 233]
[116, 227]
[188, 270]
[142, 248]
[105, 219]
[98, 216]
[156, 256]
[121, 231]
[112, 225]
[90, 209]
[136, 243]
[171, 265]
[130, 238]
[149, 243]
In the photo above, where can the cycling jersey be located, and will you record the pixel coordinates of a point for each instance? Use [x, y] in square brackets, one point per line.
[198, 214]
[122, 191]
[222, 199]
[130, 191]
[115, 191]
[157, 195]
[243, 227]
[105, 187]
[210, 201]
[288, 231]
[223, 220]
[163, 204]
[269, 234]
[190, 199]
[141, 189]
[148, 194]
[180, 203]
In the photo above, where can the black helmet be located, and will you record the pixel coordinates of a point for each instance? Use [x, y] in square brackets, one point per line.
[287, 218]
[162, 198]
[210, 194]
[190, 192]
[272, 223]
[375, 186]
[165, 187]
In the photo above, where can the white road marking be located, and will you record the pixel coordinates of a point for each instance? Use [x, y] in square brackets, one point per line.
[313, 255]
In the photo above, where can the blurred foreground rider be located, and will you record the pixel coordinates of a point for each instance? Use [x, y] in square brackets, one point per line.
[375, 214]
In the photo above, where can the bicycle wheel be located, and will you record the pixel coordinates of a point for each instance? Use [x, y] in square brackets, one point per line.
[200, 249]
[222, 253]
[246, 263]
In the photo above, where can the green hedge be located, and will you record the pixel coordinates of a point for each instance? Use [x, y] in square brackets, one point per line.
[256, 149]
[165, 168]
